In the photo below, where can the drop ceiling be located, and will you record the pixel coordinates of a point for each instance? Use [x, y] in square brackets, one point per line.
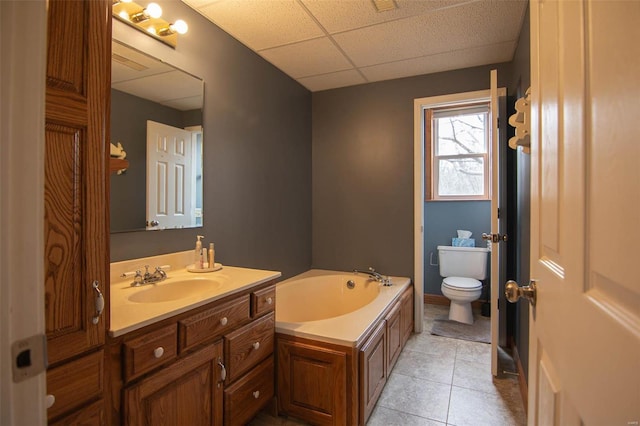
[325, 44]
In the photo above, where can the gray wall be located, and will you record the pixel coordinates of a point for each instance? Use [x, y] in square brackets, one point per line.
[442, 220]
[129, 115]
[257, 153]
[363, 168]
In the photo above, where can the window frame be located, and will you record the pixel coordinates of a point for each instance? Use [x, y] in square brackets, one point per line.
[431, 160]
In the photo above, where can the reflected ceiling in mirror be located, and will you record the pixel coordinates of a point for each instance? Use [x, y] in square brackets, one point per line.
[162, 190]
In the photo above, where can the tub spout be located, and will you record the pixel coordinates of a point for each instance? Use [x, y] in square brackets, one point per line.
[375, 276]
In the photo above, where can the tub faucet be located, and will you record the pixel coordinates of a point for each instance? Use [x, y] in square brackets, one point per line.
[375, 276]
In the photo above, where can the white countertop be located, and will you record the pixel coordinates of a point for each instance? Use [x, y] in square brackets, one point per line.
[127, 315]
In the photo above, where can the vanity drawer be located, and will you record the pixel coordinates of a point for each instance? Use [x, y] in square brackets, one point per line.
[247, 346]
[209, 324]
[75, 383]
[263, 301]
[247, 396]
[146, 352]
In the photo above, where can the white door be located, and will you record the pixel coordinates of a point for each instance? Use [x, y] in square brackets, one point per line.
[584, 359]
[169, 177]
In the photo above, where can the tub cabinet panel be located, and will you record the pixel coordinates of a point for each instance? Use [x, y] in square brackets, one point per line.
[194, 368]
[394, 336]
[328, 384]
[313, 382]
[406, 314]
[373, 369]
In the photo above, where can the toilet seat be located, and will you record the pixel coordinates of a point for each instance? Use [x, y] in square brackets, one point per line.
[462, 284]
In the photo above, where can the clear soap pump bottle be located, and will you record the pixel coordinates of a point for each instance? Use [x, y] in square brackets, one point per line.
[197, 256]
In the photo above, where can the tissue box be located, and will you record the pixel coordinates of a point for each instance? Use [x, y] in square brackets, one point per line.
[463, 242]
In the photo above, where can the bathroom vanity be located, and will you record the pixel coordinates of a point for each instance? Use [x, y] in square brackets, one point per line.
[203, 357]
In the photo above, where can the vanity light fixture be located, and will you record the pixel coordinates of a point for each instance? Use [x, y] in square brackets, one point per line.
[151, 11]
[179, 27]
[148, 20]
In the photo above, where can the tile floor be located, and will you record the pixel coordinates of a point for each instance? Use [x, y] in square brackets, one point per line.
[442, 381]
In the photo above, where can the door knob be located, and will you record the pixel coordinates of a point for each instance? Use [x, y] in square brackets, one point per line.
[513, 292]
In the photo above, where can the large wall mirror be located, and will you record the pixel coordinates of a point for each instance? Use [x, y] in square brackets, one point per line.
[156, 115]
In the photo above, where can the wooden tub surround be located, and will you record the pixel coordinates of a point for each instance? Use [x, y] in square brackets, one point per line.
[327, 383]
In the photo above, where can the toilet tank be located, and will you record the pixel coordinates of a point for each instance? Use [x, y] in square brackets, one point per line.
[469, 262]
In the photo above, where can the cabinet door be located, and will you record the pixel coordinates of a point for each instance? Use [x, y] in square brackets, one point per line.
[394, 336]
[373, 370]
[76, 226]
[406, 314]
[188, 392]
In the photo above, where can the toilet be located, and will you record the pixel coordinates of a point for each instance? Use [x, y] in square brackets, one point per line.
[462, 269]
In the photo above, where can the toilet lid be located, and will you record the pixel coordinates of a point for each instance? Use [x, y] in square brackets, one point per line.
[462, 283]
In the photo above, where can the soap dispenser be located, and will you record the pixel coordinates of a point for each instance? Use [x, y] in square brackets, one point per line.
[197, 262]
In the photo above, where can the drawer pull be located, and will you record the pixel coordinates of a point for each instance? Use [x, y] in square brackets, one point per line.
[223, 370]
[256, 394]
[256, 345]
[49, 400]
[158, 352]
[269, 301]
[224, 321]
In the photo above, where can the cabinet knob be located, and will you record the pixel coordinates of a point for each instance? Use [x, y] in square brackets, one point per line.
[269, 301]
[256, 394]
[49, 400]
[256, 345]
[158, 352]
[224, 321]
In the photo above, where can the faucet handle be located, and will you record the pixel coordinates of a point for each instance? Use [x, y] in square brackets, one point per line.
[163, 268]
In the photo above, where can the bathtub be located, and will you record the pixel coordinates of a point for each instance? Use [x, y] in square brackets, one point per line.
[338, 335]
[319, 305]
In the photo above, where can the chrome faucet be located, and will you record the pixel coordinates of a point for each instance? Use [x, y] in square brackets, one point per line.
[375, 276]
[147, 278]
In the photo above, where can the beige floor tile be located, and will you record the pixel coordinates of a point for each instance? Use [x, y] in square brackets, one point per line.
[382, 416]
[472, 407]
[474, 352]
[418, 397]
[432, 345]
[426, 366]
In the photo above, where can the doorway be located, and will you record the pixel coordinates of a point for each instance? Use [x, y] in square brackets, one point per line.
[421, 258]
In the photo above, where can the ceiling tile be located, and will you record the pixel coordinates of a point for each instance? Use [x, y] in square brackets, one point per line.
[175, 85]
[340, 15]
[447, 61]
[261, 24]
[443, 30]
[332, 80]
[296, 60]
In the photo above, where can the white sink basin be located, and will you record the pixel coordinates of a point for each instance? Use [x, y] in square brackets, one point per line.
[169, 290]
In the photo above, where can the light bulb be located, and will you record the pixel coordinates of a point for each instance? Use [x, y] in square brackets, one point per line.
[179, 27]
[153, 10]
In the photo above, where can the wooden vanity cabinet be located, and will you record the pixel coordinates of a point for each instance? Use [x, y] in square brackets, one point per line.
[76, 222]
[213, 365]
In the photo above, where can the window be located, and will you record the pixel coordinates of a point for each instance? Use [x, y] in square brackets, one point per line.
[457, 154]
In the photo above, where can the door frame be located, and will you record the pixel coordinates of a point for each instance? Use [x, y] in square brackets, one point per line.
[419, 105]
[21, 216]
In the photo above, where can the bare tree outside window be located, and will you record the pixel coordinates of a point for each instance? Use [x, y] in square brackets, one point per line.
[460, 157]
